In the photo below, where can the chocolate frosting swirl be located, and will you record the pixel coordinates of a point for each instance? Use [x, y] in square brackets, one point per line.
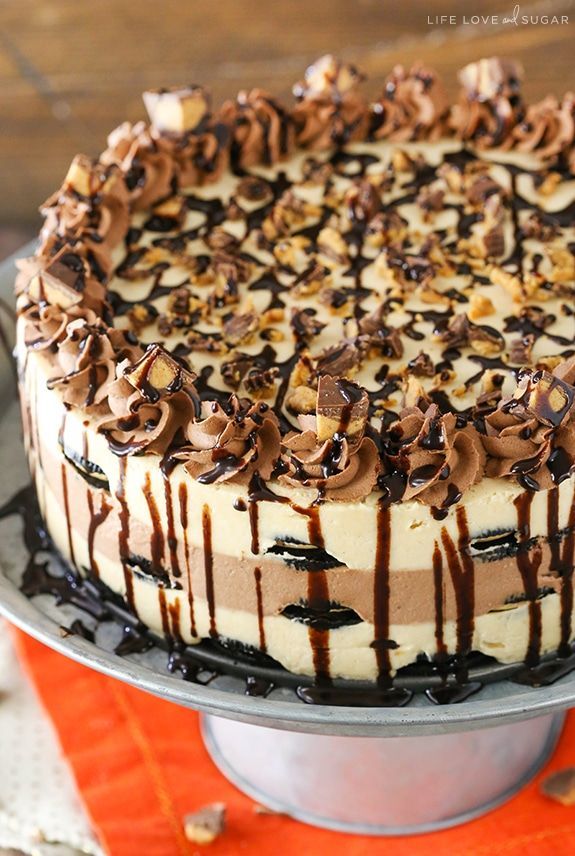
[412, 106]
[341, 469]
[262, 130]
[199, 157]
[490, 104]
[440, 458]
[520, 445]
[148, 169]
[231, 443]
[330, 111]
[141, 425]
[87, 358]
[548, 127]
[45, 325]
[92, 206]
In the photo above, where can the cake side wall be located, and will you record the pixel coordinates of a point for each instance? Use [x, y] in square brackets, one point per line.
[246, 609]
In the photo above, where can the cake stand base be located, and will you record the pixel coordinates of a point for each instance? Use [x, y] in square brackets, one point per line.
[381, 785]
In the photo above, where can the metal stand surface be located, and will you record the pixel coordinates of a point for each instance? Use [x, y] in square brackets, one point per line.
[381, 785]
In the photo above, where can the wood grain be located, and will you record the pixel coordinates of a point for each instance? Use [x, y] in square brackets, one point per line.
[71, 71]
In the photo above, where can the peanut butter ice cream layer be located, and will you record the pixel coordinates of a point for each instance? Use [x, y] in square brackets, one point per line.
[304, 378]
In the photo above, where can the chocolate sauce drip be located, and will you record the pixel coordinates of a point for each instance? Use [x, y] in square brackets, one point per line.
[174, 615]
[164, 614]
[96, 520]
[462, 572]
[566, 569]
[36, 422]
[260, 609]
[183, 505]
[171, 533]
[157, 536]
[254, 526]
[318, 598]
[78, 628]
[258, 491]
[528, 562]
[66, 500]
[381, 597]
[439, 598]
[209, 568]
[124, 533]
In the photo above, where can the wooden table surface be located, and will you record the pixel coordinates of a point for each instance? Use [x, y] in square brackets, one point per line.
[71, 70]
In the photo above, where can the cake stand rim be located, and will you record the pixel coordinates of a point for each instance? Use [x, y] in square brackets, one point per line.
[273, 713]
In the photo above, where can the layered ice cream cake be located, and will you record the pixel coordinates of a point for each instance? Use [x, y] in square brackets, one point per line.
[302, 378]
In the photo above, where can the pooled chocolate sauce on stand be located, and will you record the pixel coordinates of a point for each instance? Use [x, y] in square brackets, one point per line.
[446, 680]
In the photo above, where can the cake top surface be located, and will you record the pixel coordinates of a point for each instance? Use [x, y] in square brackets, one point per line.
[343, 296]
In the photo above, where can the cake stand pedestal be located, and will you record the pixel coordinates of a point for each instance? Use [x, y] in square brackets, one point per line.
[381, 785]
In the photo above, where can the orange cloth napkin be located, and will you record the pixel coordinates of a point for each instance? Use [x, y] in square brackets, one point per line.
[140, 766]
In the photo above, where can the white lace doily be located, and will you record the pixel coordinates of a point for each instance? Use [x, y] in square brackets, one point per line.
[40, 811]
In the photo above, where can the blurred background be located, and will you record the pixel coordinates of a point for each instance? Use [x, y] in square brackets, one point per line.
[70, 71]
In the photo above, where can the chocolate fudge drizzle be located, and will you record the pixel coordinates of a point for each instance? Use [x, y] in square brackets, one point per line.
[65, 497]
[96, 520]
[209, 568]
[439, 598]
[183, 505]
[260, 609]
[381, 596]
[164, 612]
[157, 534]
[462, 571]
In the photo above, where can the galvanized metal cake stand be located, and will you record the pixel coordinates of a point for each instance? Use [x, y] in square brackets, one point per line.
[371, 770]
